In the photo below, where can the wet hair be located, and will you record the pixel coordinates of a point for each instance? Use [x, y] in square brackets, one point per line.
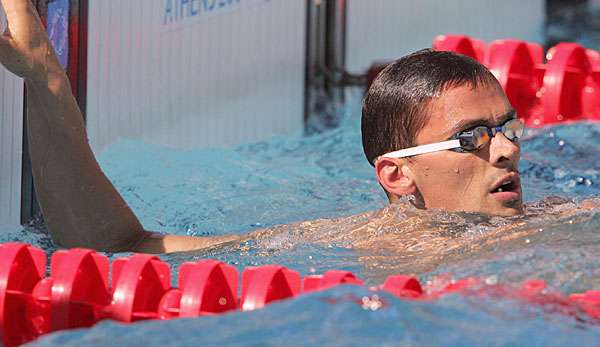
[395, 107]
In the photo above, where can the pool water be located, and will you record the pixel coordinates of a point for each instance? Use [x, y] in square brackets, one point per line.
[294, 179]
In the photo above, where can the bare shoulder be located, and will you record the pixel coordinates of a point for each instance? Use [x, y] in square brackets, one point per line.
[590, 203]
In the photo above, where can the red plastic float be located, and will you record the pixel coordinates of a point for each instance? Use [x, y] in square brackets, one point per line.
[564, 88]
[461, 44]
[534, 287]
[567, 68]
[268, 283]
[513, 62]
[329, 279]
[590, 98]
[207, 287]
[79, 289]
[403, 286]
[76, 294]
[589, 301]
[140, 282]
[22, 267]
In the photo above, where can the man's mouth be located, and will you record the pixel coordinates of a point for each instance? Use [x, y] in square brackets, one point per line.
[508, 188]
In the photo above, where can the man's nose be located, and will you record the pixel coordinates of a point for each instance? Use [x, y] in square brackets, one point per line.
[502, 149]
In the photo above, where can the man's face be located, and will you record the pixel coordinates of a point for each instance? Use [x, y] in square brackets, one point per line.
[468, 181]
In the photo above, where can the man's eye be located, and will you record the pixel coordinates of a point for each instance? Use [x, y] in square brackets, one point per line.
[469, 132]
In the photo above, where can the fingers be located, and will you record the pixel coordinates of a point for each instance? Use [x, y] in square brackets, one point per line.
[23, 21]
[15, 7]
[25, 49]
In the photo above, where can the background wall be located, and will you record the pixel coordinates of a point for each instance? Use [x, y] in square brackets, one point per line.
[205, 73]
[11, 138]
[388, 29]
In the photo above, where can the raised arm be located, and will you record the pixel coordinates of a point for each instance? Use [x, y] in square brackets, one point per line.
[80, 205]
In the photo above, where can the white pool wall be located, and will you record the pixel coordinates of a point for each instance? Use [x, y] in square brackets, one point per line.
[388, 29]
[184, 76]
[11, 138]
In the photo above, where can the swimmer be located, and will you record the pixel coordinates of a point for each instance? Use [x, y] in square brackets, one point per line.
[436, 126]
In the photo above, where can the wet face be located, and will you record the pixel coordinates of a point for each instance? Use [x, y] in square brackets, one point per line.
[483, 181]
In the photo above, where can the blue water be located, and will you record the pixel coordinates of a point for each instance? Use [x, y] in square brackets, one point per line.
[292, 179]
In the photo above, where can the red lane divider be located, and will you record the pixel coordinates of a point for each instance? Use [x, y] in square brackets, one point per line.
[77, 288]
[265, 284]
[329, 279]
[589, 301]
[566, 71]
[139, 283]
[207, 287]
[77, 293]
[22, 267]
[403, 286]
[514, 64]
[460, 44]
[562, 86]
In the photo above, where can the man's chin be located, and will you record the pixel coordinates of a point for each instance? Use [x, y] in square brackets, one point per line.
[512, 209]
[504, 211]
[506, 204]
[511, 212]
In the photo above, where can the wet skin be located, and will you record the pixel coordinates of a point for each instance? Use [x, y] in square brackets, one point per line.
[403, 239]
[466, 181]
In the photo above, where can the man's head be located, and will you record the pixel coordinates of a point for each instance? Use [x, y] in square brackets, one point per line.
[427, 97]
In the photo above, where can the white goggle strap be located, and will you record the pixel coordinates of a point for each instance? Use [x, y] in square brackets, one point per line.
[433, 147]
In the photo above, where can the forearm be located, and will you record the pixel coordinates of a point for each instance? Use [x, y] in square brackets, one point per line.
[80, 205]
[153, 242]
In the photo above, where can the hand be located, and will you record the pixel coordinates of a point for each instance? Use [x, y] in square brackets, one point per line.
[25, 49]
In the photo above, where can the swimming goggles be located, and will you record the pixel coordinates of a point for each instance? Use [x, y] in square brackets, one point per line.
[469, 140]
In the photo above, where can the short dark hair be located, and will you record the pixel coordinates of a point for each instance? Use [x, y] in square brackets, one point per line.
[395, 105]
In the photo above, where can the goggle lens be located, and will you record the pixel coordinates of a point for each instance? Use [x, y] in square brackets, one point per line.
[481, 137]
[478, 137]
[513, 129]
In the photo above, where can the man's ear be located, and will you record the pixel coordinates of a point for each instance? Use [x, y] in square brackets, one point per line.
[395, 176]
